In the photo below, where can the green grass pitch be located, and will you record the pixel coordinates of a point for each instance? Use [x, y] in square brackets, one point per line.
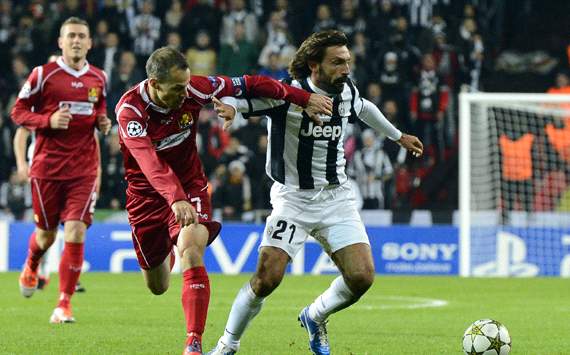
[117, 315]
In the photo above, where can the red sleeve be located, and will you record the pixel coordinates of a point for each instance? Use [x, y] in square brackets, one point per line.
[414, 101]
[204, 88]
[132, 128]
[101, 108]
[28, 98]
[443, 99]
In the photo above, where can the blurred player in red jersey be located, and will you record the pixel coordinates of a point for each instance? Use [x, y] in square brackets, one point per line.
[63, 102]
[167, 198]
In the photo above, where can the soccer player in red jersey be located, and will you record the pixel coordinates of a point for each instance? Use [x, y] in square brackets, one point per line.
[63, 102]
[167, 198]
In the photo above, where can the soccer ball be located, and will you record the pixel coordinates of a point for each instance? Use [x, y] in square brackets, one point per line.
[486, 337]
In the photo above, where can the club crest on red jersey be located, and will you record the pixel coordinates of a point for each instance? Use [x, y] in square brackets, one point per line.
[185, 120]
[93, 94]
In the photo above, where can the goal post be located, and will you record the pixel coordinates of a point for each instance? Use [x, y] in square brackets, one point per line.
[514, 184]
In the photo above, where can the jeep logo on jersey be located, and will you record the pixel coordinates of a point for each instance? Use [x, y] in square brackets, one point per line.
[327, 131]
[185, 121]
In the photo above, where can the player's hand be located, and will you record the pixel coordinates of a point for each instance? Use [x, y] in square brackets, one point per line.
[412, 144]
[104, 124]
[184, 213]
[23, 172]
[318, 105]
[224, 111]
[60, 118]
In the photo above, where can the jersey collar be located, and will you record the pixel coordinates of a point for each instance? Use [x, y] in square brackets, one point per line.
[317, 89]
[146, 98]
[70, 70]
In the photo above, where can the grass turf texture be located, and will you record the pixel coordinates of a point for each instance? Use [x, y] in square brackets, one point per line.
[117, 315]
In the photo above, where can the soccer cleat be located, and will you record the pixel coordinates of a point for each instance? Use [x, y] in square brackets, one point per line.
[43, 281]
[28, 281]
[61, 315]
[79, 287]
[193, 345]
[318, 338]
[223, 349]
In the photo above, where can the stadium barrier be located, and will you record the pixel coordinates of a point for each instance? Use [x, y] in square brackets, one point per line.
[396, 249]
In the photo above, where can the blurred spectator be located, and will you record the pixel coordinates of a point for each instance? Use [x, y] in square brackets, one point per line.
[202, 57]
[249, 134]
[116, 19]
[324, 20]
[113, 187]
[202, 16]
[233, 196]
[124, 76]
[145, 32]
[15, 196]
[380, 22]
[374, 93]
[278, 41]
[274, 68]
[471, 54]
[235, 151]
[396, 153]
[348, 21]
[173, 17]
[391, 78]
[238, 14]
[428, 104]
[101, 31]
[562, 84]
[239, 56]
[107, 57]
[211, 140]
[7, 31]
[446, 60]
[174, 40]
[359, 72]
[27, 41]
[370, 168]
[260, 182]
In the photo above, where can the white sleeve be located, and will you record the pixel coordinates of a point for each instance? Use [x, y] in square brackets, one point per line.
[371, 115]
[251, 106]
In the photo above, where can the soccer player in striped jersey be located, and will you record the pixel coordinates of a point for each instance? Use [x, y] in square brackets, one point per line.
[311, 195]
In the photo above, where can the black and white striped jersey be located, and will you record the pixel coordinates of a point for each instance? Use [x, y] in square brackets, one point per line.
[301, 154]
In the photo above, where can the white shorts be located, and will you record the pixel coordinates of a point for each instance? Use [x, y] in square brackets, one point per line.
[329, 215]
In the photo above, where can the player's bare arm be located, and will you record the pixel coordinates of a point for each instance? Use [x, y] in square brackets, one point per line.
[60, 118]
[104, 124]
[412, 144]
[184, 213]
[20, 145]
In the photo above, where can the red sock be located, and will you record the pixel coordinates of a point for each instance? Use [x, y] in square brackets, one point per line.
[195, 299]
[34, 253]
[69, 271]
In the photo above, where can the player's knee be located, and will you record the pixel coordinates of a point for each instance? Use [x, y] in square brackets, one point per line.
[158, 288]
[360, 281]
[45, 239]
[264, 285]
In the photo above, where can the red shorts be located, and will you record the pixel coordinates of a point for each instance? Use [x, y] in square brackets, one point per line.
[154, 226]
[56, 201]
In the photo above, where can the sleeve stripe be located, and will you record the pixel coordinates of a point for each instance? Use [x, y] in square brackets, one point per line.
[39, 81]
[48, 76]
[124, 106]
[206, 96]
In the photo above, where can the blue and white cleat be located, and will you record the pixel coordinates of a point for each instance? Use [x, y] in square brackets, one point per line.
[318, 339]
[223, 349]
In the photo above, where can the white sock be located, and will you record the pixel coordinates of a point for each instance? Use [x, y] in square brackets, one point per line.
[338, 296]
[246, 306]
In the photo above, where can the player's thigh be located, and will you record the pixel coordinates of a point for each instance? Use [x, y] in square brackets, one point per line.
[46, 203]
[150, 220]
[284, 233]
[80, 198]
[193, 239]
[355, 260]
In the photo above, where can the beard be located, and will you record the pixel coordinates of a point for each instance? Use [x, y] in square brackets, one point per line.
[326, 82]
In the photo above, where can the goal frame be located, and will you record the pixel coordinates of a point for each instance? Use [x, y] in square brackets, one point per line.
[465, 102]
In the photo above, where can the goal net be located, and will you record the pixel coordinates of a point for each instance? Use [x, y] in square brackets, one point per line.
[514, 204]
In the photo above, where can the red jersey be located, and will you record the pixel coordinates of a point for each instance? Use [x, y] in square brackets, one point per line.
[62, 154]
[159, 145]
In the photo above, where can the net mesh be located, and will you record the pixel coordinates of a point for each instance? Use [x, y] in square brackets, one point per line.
[520, 191]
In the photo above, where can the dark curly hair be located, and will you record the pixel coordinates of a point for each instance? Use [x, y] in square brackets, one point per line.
[313, 49]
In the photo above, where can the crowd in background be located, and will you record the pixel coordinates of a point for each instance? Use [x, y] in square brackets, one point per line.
[410, 58]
